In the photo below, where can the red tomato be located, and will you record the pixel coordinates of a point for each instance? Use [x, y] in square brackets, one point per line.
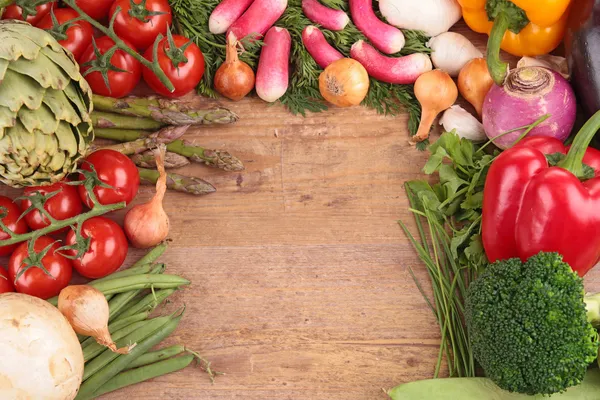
[107, 251]
[97, 9]
[5, 282]
[13, 212]
[66, 204]
[34, 281]
[116, 170]
[185, 77]
[15, 12]
[121, 83]
[134, 25]
[79, 35]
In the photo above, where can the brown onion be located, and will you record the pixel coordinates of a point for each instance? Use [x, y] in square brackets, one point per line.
[344, 83]
[234, 79]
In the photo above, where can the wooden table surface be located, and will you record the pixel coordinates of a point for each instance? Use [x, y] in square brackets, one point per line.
[300, 285]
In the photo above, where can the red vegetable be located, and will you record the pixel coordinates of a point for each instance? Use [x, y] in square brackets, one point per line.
[79, 34]
[385, 37]
[107, 250]
[140, 22]
[116, 170]
[183, 64]
[97, 9]
[34, 281]
[328, 18]
[15, 12]
[318, 47]
[225, 14]
[11, 220]
[258, 18]
[63, 205]
[272, 75]
[399, 70]
[530, 207]
[120, 83]
[6, 285]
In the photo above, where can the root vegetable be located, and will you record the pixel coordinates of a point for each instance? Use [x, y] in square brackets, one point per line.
[528, 94]
[430, 16]
[41, 353]
[328, 18]
[258, 18]
[463, 123]
[344, 83]
[451, 51]
[436, 92]
[555, 63]
[234, 79]
[318, 47]
[272, 75]
[225, 14]
[386, 38]
[474, 82]
[399, 70]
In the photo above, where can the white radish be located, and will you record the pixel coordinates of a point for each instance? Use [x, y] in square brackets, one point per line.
[258, 18]
[272, 75]
[399, 70]
[225, 14]
[385, 37]
[452, 51]
[430, 16]
[328, 18]
[318, 47]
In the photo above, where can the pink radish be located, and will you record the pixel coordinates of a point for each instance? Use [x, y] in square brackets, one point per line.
[318, 47]
[328, 18]
[400, 70]
[272, 75]
[258, 18]
[225, 14]
[385, 37]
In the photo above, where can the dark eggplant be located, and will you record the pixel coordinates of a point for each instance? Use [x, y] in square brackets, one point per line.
[582, 47]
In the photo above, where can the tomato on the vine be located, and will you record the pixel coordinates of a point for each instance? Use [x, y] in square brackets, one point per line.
[121, 83]
[11, 220]
[107, 249]
[140, 22]
[78, 34]
[6, 285]
[115, 170]
[34, 281]
[15, 12]
[97, 9]
[182, 62]
[63, 205]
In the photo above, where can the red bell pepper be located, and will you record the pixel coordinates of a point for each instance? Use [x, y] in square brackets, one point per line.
[529, 206]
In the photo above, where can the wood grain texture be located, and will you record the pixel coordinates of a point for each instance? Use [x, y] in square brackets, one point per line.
[299, 269]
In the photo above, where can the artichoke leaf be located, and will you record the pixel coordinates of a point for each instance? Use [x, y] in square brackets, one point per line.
[41, 119]
[66, 63]
[76, 99]
[17, 90]
[29, 41]
[7, 119]
[66, 139]
[61, 107]
[45, 72]
[3, 67]
[15, 46]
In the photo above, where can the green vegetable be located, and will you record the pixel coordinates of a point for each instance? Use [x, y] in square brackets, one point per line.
[94, 349]
[148, 302]
[485, 389]
[45, 127]
[155, 356]
[116, 326]
[141, 281]
[528, 325]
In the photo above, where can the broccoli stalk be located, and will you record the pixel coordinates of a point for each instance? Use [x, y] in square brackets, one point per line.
[530, 326]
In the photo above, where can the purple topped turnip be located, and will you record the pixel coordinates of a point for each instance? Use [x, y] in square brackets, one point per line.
[527, 94]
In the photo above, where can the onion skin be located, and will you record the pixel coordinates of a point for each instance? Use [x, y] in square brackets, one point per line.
[344, 83]
[234, 79]
[528, 94]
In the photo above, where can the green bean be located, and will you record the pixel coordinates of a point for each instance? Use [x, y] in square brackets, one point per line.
[117, 325]
[141, 269]
[143, 281]
[149, 302]
[118, 364]
[136, 336]
[158, 355]
[94, 349]
[134, 376]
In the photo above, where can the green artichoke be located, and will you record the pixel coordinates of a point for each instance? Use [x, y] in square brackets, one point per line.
[45, 106]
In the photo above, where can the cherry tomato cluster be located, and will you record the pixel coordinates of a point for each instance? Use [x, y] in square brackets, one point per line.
[107, 241]
[138, 23]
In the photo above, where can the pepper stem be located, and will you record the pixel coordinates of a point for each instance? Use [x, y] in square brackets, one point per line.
[573, 162]
[496, 66]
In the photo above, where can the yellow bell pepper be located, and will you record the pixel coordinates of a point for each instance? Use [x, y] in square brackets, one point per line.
[520, 27]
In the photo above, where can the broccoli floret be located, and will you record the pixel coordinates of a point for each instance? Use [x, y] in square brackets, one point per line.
[528, 326]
